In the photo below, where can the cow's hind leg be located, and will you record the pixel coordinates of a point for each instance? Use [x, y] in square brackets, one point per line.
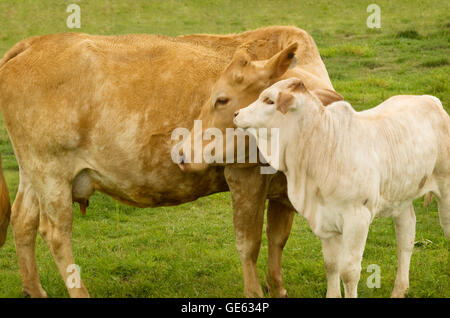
[25, 222]
[56, 228]
[248, 192]
[279, 224]
[405, 230]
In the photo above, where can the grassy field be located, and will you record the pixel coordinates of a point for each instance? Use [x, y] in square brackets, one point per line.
[188, 250]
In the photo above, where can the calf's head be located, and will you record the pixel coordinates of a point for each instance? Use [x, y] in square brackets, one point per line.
[240, 84]
[285, 103]
[282, 113]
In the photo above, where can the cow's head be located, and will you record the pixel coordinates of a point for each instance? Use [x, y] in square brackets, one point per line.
[239, 85]
[242, 82]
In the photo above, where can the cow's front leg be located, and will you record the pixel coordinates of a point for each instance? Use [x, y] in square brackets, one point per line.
[279, 224]
[248, 192]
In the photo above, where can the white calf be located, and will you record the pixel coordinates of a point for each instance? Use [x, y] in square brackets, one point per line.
[344, 167]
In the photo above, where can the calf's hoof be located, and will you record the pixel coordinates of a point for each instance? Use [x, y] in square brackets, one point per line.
[398, 294]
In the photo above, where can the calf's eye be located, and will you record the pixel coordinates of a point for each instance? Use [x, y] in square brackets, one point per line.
[267, 100]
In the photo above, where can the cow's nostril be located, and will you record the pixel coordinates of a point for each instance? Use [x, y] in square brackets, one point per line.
[236, 113]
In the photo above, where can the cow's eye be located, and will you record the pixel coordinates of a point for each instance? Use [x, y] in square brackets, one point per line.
[221, 101]
[267, 100]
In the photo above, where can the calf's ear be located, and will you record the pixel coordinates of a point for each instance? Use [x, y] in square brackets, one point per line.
[282, 61]
[327, 96]
[284, 102]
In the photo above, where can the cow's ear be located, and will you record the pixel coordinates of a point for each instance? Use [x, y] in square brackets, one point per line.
[282, 61]
[327, 96]
[241, 58]
[284, 102]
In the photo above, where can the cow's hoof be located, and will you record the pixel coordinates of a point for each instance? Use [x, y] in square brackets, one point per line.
[282, 293]
[274, 292]
[254, 294]
[38, 294]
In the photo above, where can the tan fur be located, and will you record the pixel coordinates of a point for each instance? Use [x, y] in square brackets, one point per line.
[284, 100]
[87, 113]
[327, 96]
[297, 87]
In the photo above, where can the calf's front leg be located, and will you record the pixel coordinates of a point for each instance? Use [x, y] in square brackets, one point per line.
[354, 235]
[331, 249]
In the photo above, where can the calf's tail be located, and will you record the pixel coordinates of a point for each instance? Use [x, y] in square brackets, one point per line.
[5, 207]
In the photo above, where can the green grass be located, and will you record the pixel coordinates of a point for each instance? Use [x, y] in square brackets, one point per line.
[188, 250]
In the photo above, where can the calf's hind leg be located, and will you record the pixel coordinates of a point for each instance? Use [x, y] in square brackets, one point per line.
[405, 230]
[444, 205]
[354, 235]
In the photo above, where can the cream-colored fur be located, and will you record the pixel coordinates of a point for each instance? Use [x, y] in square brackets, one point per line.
[344, 167]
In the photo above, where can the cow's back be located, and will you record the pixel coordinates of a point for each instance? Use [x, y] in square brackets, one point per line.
[133, 72]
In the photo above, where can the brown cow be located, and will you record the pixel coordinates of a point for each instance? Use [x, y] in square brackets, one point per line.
[88, 113]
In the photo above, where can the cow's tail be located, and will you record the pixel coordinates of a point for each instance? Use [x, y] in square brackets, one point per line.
[5, 207]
